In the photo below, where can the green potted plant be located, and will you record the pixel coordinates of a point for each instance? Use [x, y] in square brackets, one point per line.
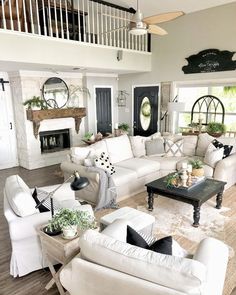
[69, 221]
[124, 128]
[172, 180]
[197, 167]
[36, 102]
[216, 129]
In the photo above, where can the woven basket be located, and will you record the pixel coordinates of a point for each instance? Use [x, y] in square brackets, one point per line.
[198, 172]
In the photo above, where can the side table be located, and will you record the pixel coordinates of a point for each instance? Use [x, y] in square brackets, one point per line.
[59, 249]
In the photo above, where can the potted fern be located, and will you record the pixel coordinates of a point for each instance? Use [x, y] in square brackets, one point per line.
[123, 128]
[70, 222]
[216, 129]
[197, 167]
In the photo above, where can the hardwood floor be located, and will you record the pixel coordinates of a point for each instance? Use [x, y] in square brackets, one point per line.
[35, 282]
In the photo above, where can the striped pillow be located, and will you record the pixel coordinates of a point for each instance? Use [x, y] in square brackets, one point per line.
[174, 149]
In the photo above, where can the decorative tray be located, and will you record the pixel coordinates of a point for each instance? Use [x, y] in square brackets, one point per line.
[195, 182]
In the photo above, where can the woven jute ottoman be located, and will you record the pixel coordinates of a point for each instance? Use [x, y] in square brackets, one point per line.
[138, 220]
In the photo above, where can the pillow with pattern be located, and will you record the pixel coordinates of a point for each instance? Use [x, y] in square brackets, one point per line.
[227, 148]
[104, 163]
[174, 149]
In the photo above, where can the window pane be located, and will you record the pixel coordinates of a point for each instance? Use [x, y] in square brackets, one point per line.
[190, 94]
[228, 98]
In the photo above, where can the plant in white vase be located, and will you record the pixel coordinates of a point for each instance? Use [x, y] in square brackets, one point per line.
[70, 221]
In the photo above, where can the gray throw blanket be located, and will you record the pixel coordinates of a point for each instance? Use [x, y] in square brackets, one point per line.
[107, 191]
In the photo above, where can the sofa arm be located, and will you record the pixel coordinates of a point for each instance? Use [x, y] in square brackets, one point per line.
[68, 168]
[225, 170]
[214, 255]
[25, 227]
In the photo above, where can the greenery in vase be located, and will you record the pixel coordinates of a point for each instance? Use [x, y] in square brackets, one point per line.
[196, 164]
[172, 179]
[67, 218]
[123, 126]
[88, 135]
[215, 127]
[36, 101]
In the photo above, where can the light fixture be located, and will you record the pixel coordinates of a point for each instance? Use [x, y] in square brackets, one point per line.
[77, 184]
[138, 29]
[121, 99]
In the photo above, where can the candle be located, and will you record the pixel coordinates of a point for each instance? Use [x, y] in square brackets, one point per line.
[200, 116]
[184, 165]
[189, 168]
[116, 125]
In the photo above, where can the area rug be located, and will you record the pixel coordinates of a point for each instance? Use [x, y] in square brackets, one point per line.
[176, 218]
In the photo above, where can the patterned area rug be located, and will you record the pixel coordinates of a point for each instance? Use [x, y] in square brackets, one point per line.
[176, 218]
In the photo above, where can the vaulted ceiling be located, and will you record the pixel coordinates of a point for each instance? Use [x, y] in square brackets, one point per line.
[151, 7]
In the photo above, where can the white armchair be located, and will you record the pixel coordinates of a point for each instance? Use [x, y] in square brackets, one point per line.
[26, 248]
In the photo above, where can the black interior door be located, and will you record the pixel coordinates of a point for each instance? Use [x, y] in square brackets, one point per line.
[103, 107]
[145, 110]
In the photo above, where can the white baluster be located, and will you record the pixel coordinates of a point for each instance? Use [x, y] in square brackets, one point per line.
[18, 17]
[44, 20]
[31, 17]
[93, 17]
[98, 30]
[61, 21]
[102, 28]
[88, 9]
[79, 25]
[50, 19]
[37, 14]
[106, 27]
[55, 13]
[10, 12]
[25, 18]
[84, 28]
[67, 26]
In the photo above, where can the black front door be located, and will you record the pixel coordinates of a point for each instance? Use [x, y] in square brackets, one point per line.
[103, 107]
[145, 110]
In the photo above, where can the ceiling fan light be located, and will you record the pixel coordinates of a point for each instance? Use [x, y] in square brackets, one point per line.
[138, 31]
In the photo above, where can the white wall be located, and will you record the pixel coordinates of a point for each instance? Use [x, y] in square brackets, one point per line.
[211, 28]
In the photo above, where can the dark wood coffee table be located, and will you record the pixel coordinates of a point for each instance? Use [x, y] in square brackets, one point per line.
[195, 196]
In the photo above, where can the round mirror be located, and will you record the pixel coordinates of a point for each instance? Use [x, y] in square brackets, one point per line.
[55, 92]
[145, 113]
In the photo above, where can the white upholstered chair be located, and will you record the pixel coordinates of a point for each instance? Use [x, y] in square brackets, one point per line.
[24, 220]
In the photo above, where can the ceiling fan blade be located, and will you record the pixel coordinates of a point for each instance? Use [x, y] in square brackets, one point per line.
[153, 29]
[161, 18]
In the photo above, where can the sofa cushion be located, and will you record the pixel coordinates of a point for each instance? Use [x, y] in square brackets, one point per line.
[138, 145]
[189, 145]
[155, 147]
[78, 154]
[123, 176]
[168, 163]
[213, 155]
[178, 273]
[19, 196]
[204, 139]
[174, 149]
[142, 166]
[119, 148]
[99, 147]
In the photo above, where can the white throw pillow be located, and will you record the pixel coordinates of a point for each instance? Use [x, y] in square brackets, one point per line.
[19, 196]
[174, 149]
[213, 155]
[138, 145]
[155, 147]
[104, 163]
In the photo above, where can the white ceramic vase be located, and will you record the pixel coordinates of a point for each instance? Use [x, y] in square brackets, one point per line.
[69, 232]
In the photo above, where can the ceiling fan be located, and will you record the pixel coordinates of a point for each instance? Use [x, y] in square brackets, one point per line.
[141, 26]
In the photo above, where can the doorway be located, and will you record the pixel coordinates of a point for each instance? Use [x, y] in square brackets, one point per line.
[146, 109]
[8, 149]
[103, 110]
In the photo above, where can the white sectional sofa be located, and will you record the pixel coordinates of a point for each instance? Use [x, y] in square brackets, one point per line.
[134, 168]
[107, 265]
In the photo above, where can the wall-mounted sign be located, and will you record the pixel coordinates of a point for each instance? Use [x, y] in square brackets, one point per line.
[210, 60]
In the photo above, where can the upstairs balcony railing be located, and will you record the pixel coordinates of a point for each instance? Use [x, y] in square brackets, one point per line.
[90, 21]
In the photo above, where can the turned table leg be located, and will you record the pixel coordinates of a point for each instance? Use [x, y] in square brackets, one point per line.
[196, 215]
[150, 200]
[219, 198]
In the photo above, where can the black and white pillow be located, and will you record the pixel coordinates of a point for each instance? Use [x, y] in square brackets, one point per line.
[104, 163]
[38, 195]
[227, 148]
[166, 245]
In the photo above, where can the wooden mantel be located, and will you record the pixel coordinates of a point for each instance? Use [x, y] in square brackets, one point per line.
[37, 116]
